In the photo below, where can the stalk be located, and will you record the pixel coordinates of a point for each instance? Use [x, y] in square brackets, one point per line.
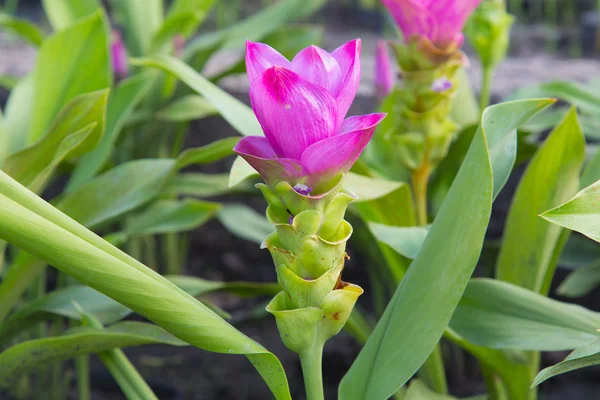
[420, 179]
[486, 87]
[82, 366]
[312, 360]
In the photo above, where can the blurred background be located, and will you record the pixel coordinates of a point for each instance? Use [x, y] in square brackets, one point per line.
[552, 39]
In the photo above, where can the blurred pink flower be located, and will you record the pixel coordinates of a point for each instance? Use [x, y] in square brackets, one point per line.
[441, 21]
[178, 45]
[118, 53]
[301, 106]
[384, 73]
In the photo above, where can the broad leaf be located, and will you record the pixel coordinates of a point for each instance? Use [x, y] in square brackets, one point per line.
[78, 114]
[17, 118]
[23, 28]
[35, 226]
[64, 13]
[59, 76]
[245, 223]
[581, 214]
[117, 191]
[197, 184]
[402, 340]
[142, 20]
[121, 104]
[580, 358]
[581, 281]
[167, 216]
[527, 256]
[210, 153]
[24, 357]
[406, 241]
[239, 115]
[187, 108]
[499, 315]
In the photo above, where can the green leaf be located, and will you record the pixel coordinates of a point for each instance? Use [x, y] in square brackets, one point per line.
[121, 105]
[23, 28]
[64, 13]
[575, 93]
[240, 171]
[591, 173]
[255, 28]
[366, 188]
[580, 358]
[239, 115]
[581, 281]
[35, 226]
[142, 19]
[17, 118]
[32, 354]
[117, 191]
[499, 315]
[187, 108]
[406, 241]
[527, 255]
[581, 213]
[197, 184]
[167, 216]
[58, 76]
[245, 223]
[417, 390]
[207, 154]
[181, 23]
[402, 340]
[8, 82]
[77, 115]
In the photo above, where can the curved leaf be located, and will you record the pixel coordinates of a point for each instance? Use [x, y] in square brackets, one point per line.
[187, 108]
[25, 356]
[527, 256]
[117, 191]
[83, 43]
[406, 241]
[23, 28]
[38, 228]
[583, 357]
[402, 340]
[245, 223]
[499, 315]
[581, 213]
[239, 115]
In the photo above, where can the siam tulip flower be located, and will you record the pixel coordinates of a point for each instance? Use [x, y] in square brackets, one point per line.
[178, 45]
[440, 21]
[384, 74]
[119, 56]
[301, 106]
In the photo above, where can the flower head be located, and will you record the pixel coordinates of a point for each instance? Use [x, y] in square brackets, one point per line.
[440, 21]
[119, 55]
[384, 74]
[301, 106]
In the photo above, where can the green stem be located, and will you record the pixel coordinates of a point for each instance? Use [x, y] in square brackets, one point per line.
[311, 361]
[82, 366]
[172, 253]
[420, 180]
[493, 383]
[486, 87]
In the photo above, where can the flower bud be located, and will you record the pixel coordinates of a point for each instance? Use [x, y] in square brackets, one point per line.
[384, 73]
[118, 53]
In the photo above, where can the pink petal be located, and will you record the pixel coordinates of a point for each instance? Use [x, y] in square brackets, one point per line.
[257, 151]
[338, 153]
[348, 58]
[260, 57]
[119, 55]
[384, 73]
[413, 17]
[451, 17]
[319, 67]
[293, 113]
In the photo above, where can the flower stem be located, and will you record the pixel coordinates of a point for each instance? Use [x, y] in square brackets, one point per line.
[420, 179]
[433, 372]
[311, 361]
[486, 87]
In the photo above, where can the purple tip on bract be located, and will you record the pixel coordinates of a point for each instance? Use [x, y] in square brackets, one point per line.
[291, 219]
[302, 189]
[441, 85]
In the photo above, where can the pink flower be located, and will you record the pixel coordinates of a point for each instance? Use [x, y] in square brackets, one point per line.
[440, 21]
[119, 56]
[384, 74]
[301, 106]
